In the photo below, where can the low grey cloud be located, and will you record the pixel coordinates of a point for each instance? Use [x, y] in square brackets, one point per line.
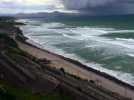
[11, 7]
[82, 6]
[100, 6]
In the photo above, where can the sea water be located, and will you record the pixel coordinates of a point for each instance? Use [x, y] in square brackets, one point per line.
[105, 43]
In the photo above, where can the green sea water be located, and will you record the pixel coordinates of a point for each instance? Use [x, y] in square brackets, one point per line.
[105, 43]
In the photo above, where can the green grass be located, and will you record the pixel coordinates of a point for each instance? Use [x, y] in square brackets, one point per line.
[74, 76]
[8, 92]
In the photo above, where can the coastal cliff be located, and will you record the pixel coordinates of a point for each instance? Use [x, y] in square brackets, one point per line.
[43, 77]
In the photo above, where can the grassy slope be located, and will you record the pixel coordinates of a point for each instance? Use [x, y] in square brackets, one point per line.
[9, 92]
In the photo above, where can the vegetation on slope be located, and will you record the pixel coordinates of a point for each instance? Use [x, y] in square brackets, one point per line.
[9, 46]
[7, 41]
[10, 92]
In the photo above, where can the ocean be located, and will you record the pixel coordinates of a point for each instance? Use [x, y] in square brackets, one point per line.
[105, 43]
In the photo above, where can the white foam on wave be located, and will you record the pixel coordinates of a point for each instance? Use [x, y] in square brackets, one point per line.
[121, 31]
[118, 74]
[126, 43]
[53, 25]
[92, 34]
[83, 33]
[127, 40]
[131, 55]
[117, 42]
[86, 33]
[89, 31]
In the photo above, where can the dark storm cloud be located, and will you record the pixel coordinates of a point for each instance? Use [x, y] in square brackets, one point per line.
[100, 6]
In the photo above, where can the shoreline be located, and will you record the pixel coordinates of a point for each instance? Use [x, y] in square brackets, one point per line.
[28, 63]
[78, 63]
[106, 81]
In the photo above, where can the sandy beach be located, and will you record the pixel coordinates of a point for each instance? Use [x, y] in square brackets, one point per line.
[58, 62]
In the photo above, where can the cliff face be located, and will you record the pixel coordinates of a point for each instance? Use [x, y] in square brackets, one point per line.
[19, 68]
[25, 71]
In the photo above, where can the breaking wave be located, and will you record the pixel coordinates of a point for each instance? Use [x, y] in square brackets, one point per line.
[93, 46]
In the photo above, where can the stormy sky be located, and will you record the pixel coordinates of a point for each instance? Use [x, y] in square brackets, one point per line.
[30, 6]
[81, 6]
[101, 6]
